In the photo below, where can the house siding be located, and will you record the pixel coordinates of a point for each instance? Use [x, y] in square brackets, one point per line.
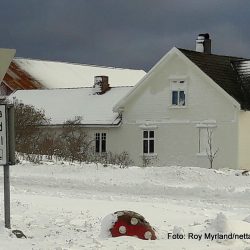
[244, 140]
[176, 132]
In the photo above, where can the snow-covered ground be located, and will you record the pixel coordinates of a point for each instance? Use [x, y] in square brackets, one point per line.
[61, 206]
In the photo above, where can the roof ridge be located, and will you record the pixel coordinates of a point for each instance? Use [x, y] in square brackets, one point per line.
[205, 54]
[76, 88]
[79, 64]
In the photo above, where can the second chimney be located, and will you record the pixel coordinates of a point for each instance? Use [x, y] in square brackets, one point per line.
[203, 43]
[101, 84]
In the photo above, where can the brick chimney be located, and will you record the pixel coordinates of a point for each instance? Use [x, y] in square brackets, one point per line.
[203, 43]
[101, 85]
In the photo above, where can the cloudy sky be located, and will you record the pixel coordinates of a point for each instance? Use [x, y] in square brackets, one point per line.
[121, 33]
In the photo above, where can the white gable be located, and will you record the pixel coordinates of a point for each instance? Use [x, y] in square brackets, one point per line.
[63, 104]
[68, 75]
[157, 69]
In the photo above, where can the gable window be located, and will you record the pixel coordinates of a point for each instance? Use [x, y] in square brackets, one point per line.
[148, 142]
[178, 93]
[100, 142]
[178, 97]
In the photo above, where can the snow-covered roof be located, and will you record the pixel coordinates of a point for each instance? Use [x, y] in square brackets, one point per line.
[68, 75]
[63, 104]
[243, 69]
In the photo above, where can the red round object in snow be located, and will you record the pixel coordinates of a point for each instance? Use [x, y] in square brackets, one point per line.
[130, 223]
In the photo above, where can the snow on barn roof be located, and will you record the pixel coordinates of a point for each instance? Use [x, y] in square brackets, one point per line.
[63, 104]
[68, 75]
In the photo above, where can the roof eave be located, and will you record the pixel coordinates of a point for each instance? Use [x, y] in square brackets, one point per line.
[115, 123]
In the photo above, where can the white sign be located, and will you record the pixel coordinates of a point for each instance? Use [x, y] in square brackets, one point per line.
[3, 135]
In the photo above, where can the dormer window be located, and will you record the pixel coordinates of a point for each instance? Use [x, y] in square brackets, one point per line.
[178, 93]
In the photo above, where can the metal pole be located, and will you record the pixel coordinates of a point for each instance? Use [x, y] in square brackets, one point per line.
[10, 161]
[6, 171]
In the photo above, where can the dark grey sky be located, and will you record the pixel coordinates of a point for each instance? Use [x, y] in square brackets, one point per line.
[121, 33]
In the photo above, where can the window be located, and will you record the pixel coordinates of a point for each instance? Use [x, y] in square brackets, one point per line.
[202, 144]
[103, 144]
[205, 139]
[148, 141]
[178, 97]
[178, 89]
[100, 142]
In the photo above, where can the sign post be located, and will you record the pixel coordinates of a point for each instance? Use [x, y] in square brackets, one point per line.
[7, 153]
[6, 172]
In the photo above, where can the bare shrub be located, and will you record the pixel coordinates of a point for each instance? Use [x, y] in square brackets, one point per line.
[122, 160]
[50, 145]
[148, 160]
[28, 120]
[71, 144]
[74, 141]
[34, 158]
[31, 136]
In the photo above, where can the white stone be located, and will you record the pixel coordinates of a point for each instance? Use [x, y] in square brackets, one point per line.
[120, 214]
[148, 235]
[122, 229]
[134, 221]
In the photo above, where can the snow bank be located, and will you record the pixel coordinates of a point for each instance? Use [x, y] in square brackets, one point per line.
[8, 241]
[221, 224]
[107, 223]
[65, 206]
[247, 219]
[227, 231]
[4, 233]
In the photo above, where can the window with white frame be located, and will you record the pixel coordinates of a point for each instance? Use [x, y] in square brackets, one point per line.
[100, 142]
[148, 141]
[205, 136]
[202, 140]
[178, 93]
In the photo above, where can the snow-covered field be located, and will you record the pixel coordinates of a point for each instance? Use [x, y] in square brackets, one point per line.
[61, 206]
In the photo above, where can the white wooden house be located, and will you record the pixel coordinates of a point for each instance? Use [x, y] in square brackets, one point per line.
[167, 115]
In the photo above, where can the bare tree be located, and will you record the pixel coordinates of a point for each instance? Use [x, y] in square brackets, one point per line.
[211, 153]
[28, 120]
[75, 140]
